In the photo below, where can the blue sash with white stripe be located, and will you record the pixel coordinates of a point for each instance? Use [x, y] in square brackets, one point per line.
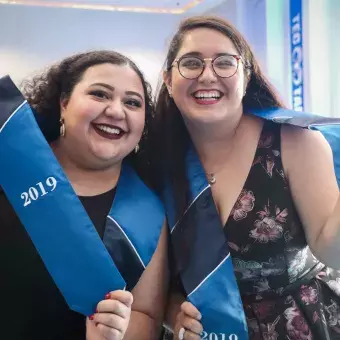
[203, 259]
[83, 266]
[200, 246]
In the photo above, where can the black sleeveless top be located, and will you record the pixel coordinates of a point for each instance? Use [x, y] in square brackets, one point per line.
[31, 305]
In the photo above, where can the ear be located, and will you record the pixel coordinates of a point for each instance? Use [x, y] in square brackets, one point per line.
[63, 104]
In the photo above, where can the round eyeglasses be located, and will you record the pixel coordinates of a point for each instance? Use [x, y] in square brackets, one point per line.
[224, 66]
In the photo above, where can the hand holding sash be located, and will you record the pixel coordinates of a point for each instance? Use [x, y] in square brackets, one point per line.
[188, 324]
[112, 317]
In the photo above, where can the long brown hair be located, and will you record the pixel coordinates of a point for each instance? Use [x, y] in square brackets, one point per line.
[169, 138]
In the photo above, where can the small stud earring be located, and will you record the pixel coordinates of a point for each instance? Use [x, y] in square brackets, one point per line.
[62, 127]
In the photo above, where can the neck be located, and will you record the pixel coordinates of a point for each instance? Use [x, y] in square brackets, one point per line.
[86, 181]
[215, 142]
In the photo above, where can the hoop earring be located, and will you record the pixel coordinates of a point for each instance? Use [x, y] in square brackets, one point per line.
[62, 127]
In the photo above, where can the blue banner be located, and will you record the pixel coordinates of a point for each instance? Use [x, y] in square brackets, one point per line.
[296, 49]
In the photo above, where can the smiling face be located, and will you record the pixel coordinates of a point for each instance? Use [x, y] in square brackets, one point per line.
[104, 116]
[209, 98]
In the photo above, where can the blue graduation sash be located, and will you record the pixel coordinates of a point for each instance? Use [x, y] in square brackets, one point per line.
[82, 267]
[201, 252]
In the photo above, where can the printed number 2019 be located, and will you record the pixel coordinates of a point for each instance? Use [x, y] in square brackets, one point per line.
[220, 336]
[33, 193]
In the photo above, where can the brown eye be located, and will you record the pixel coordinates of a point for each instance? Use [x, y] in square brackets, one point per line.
[133, 102]
[99, 94]
[191, 63]
[225, 62]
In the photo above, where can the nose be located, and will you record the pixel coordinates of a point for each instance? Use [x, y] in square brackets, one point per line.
[208, 75]
[115, 110]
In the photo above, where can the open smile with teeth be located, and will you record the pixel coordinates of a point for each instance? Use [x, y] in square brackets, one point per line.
[108, 129]
[207, 95]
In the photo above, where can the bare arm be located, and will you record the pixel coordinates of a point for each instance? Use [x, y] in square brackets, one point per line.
[150, 295]
[308, 163]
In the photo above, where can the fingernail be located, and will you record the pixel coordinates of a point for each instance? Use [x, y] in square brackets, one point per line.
[91, 317]
[107, 296]
[199, 316]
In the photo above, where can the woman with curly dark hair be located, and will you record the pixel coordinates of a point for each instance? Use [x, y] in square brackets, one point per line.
[92, 228]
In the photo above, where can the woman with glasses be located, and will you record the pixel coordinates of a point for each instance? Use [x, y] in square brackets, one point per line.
[248, 200]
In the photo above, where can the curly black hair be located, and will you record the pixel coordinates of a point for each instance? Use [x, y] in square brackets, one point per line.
[45, 90]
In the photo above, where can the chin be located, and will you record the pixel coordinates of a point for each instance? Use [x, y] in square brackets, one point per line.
[110, 159]
[209, 118]
[105, 156]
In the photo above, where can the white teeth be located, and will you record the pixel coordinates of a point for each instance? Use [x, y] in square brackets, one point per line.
[207, 95]
[108, 129]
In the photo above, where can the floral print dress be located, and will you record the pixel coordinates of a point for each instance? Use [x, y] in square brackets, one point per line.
[287, 293]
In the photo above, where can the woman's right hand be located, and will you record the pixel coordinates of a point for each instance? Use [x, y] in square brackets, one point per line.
[188, 321]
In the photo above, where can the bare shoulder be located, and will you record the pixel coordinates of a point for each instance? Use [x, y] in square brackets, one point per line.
[299, 144]
[308, 164]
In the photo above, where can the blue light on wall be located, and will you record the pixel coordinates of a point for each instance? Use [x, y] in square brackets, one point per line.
[296, 47]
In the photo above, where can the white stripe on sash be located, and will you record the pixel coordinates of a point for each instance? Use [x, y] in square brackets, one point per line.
[10, 117]
[131, 244]
[207, 277]
[195, 199]
[321, 124]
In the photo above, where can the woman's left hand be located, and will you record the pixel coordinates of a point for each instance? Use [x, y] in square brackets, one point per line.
[112, 317]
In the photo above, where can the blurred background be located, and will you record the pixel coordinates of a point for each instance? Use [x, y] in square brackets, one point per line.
[295, 41]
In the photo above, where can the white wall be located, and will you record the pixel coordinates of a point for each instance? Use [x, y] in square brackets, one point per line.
[317, 53]
[227, 10]
[249, 20]
[262, 22]
[334, 65]
[32, 37]
[37, 36]
[322, 55]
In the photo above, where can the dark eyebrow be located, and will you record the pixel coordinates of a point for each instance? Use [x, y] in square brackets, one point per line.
[111, 88]
[133, 93]
[104, 85]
